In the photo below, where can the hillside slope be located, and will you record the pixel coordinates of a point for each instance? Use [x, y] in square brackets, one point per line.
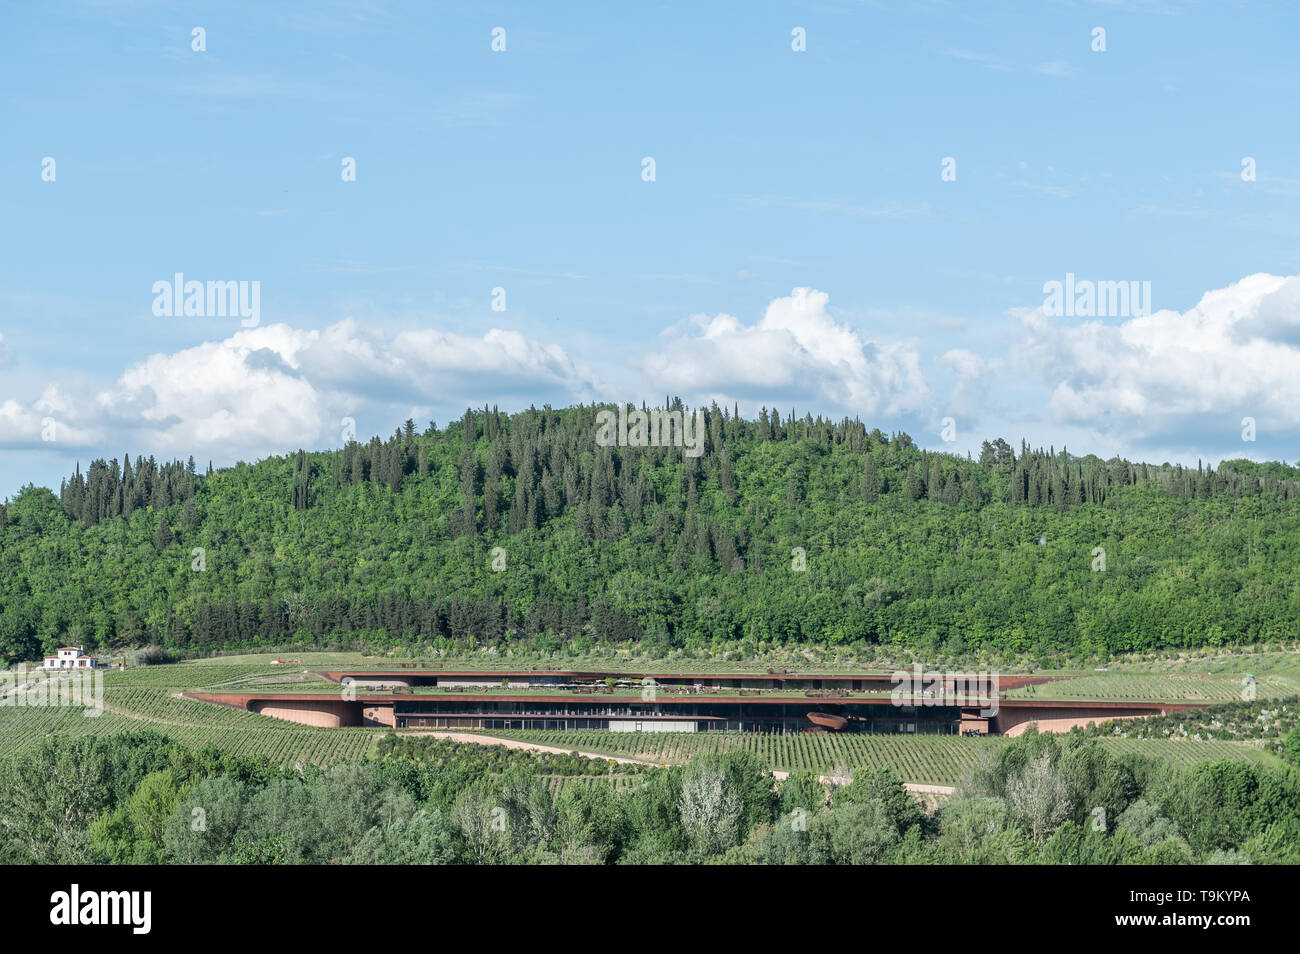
[780, 531]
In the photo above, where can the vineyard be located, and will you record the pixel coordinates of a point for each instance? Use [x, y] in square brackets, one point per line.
[148, 697]
[231, 677]
[1124, 687]
[931, 760]
[191, 723]
[927, 760]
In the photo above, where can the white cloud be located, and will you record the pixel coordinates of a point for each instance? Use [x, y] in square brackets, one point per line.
[515, 361]
[986, 60]
[1168, 380]
[797, 351]
[838, 206]
[1234, 354]
[267, 390]
[975, 375]
[51, 420]
[243, 393]
[1057, 68]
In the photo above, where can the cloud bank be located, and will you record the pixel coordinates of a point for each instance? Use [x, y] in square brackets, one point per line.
[1166, 380]
[1166, 375]
[796, 353]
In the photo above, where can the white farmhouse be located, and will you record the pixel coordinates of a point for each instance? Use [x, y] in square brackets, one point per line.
[70, 657]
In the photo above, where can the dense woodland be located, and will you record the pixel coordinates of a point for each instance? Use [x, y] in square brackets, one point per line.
[521, 530]
[142, 799]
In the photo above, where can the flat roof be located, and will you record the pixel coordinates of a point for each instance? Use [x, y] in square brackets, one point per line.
[813, 702]
[335, 675]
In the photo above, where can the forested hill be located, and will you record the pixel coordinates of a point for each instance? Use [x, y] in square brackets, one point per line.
[523, 528]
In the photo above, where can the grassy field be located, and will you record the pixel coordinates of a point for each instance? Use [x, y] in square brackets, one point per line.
[1199, 677]
[1276, 675]
[213, 675]
[1190, 687]
[322, 660]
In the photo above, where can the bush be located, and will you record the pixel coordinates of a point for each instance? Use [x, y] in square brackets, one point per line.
[153, 656]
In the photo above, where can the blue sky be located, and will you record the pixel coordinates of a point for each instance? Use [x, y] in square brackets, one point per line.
[797, 247]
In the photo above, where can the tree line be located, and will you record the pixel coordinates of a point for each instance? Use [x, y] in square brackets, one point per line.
[141, 799]
[501, 529]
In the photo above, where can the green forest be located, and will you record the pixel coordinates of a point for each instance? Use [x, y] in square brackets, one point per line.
[520, 529]
[139, 798]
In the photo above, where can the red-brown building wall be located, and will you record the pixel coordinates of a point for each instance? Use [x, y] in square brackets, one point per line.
[326, 714]
[1013, 722]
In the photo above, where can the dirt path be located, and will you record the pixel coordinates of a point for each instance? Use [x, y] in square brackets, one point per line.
[930, 789]
[528, 746]
[537, 747]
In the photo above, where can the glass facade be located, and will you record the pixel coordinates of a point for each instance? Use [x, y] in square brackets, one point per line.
[560, 714]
